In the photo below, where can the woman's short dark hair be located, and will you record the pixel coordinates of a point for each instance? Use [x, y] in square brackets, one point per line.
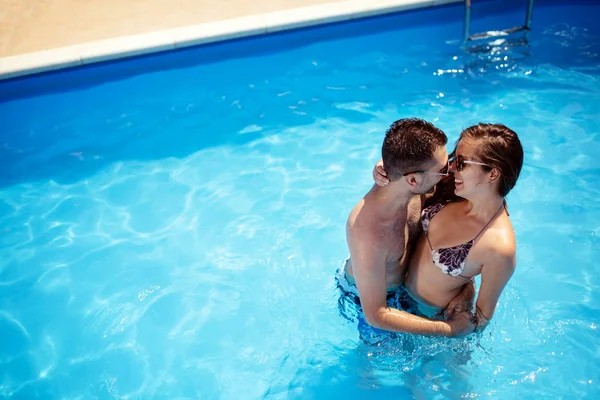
[498, 147]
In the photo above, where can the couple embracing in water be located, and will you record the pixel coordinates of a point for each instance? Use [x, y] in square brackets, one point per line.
[430, 224]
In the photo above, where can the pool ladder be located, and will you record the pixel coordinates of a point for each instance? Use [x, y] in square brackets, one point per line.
[489, 34]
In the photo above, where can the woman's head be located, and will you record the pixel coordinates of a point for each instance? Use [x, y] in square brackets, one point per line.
[492, 150]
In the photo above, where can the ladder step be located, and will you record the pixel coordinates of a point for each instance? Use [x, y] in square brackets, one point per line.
[503, 32]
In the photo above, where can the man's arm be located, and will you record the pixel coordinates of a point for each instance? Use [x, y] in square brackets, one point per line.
[368, 265]
[494, 276]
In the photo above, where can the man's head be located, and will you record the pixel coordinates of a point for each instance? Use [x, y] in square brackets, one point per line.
[415, 150]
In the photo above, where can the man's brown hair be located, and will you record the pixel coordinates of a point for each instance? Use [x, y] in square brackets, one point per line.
[409, 144]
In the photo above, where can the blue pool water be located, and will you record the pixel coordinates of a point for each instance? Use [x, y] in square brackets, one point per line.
[171, 225]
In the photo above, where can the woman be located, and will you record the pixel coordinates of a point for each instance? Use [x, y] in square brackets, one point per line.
[466, 226]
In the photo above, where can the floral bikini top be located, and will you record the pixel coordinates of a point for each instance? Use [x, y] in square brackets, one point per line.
[451, 260]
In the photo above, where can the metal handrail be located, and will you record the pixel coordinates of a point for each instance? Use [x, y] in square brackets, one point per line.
[488, 34]
[529, 15]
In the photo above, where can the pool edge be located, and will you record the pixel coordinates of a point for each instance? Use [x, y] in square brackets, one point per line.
[210, 32]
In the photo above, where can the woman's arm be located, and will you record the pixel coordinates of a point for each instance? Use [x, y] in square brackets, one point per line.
[379, 174]
[495, 274]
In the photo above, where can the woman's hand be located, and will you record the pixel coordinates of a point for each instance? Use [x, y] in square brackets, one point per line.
[379, 174]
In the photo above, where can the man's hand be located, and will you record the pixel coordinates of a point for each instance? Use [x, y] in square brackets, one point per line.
[462, 302]
[379, 174]
[462, 324]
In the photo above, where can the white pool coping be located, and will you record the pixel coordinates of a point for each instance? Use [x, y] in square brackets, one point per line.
[127, 46]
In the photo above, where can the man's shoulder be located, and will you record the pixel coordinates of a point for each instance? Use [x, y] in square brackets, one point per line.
[363, 223]
[364, 214]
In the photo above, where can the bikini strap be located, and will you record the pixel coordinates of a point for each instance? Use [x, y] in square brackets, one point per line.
[428, 241]
[429, 213]
[491, 220]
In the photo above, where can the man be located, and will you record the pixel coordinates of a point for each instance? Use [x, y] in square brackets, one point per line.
[384, 226]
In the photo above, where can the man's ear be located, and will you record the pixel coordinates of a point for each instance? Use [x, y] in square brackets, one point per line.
[494, 175]
[412, 180]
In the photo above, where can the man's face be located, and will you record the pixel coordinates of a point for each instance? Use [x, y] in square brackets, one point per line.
[434, 171]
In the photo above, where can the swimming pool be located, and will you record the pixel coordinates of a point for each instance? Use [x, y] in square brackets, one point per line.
[172, 224]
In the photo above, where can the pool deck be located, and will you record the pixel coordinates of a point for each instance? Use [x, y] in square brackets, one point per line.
[45, 35]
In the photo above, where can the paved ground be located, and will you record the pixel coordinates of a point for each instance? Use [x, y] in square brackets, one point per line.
[32, 25]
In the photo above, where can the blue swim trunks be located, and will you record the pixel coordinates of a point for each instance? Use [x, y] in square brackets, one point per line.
[397, 297]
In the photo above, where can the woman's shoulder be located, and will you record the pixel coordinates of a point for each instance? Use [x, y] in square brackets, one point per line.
[500, 238]
[497, 249]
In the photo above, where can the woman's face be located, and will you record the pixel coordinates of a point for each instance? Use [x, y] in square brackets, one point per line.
[473, 177]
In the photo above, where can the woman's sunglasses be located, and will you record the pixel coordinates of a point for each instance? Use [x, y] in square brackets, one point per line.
[460, 162]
